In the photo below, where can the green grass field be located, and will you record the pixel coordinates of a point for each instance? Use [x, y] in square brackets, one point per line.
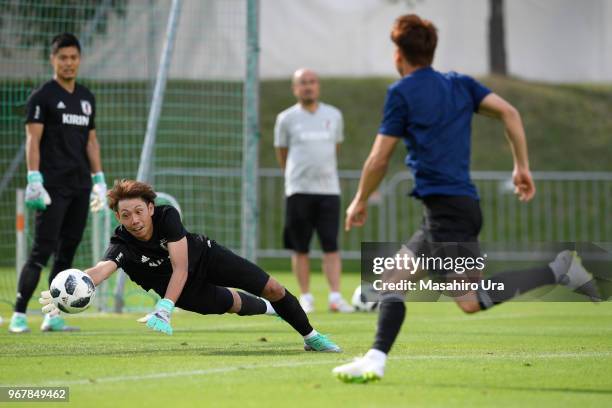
[519, 354]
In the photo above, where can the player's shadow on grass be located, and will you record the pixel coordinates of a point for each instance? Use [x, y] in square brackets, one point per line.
[530, 389]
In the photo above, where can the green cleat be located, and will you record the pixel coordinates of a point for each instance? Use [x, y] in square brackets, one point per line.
[19, 324]
[361, 379]
[56, 324]
[321, 343]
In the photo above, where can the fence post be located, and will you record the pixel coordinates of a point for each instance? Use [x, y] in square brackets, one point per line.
[20, 222]
[251, 136]
[145, 165]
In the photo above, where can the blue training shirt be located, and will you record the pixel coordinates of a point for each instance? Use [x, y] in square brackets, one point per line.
[432, 112]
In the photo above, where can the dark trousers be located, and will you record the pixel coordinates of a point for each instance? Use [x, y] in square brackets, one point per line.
[58, 232]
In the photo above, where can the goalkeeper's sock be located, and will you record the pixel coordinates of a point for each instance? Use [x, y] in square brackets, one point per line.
[310, 335]
[515, 283]
[251, 305]
[269, 309]
[28, 280]
[289, 309]
[390, 319]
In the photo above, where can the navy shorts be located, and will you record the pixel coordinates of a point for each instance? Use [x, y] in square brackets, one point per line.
[306, 213]
[454, 221]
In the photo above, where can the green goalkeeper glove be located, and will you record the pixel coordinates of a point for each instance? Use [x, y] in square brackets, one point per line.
[160, 319]
[36, 197]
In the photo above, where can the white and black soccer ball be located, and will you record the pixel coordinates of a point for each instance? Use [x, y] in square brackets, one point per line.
[360, 296]
[72, 291]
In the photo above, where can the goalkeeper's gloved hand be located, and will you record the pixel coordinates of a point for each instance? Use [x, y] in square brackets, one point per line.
[36, 196]
[47, 301]
[98, 192]
[160, 319]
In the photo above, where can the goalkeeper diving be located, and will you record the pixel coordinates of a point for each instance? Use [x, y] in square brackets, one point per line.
[188, 270]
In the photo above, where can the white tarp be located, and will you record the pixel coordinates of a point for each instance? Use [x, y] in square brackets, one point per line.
[549, 40]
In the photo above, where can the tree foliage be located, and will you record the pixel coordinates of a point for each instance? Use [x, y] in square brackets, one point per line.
[32, 23]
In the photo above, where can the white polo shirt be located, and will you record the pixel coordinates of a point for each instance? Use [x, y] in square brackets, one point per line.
[311, 139]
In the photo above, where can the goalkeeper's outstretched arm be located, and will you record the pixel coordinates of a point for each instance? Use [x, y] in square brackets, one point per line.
[102, 271]
[98, 274]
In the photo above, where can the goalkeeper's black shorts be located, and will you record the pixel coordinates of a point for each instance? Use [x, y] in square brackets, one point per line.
[222, 269]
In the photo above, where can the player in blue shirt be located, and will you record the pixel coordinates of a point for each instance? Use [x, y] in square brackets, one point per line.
[431, 112]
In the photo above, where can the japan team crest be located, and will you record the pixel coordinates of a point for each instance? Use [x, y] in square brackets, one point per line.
[86, 107]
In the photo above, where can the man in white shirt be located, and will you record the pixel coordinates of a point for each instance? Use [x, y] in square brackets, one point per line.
[306, 139]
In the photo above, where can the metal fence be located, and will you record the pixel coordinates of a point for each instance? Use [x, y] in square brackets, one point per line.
[568, 207]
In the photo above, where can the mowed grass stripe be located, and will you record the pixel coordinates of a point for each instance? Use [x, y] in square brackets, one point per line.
[227, 369]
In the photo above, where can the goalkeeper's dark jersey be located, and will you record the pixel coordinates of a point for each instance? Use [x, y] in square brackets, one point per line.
[67, 119]
[147, 262]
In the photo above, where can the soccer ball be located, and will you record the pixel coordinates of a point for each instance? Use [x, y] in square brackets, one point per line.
[360, 295]
[72, 291]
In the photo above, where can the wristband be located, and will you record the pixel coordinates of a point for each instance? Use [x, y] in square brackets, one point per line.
[98, 178]
[34, 176]
[166, 304]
